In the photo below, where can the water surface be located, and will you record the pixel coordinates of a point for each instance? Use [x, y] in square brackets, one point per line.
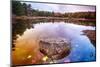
[82, 48]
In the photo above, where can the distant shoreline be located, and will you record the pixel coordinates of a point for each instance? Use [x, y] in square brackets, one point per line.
[55, 18]
[79, 21]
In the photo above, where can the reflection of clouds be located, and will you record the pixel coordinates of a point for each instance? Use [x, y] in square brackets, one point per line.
[27, 41]
[81, 46]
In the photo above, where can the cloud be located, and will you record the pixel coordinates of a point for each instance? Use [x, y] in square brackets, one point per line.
[61, 7]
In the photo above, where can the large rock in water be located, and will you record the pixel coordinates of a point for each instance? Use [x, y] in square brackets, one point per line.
[55, 48]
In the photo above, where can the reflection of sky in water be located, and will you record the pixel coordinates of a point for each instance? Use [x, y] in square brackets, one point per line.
[82, 48]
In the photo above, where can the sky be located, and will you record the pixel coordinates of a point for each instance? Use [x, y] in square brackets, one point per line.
[61, 7]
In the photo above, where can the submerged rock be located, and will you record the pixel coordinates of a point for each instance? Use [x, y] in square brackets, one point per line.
[55, 48]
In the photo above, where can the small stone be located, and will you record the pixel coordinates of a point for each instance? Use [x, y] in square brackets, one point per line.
[29, 56]
[45, 58]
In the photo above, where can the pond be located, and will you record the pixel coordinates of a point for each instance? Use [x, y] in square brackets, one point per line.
[82, 49]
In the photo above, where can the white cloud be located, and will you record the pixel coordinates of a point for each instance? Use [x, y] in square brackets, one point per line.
[61, 8]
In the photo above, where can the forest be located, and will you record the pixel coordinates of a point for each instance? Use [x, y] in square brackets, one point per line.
[23, 9]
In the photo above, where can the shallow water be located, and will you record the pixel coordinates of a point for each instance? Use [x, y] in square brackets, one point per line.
[82, 48]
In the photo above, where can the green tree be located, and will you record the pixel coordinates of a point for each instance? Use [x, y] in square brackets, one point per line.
[17, 8]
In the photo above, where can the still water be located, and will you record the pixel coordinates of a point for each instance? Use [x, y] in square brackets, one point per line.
[82, 48]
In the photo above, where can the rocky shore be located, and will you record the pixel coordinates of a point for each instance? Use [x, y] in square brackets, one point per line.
[91, 34]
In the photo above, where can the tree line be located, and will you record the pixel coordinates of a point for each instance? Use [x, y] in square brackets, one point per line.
[23, 9]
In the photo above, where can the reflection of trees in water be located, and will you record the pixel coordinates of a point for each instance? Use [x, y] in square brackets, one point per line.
[18, 27]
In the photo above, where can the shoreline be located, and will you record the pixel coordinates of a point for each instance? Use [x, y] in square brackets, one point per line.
[55, 18]
[36, 19]
[91, 34]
